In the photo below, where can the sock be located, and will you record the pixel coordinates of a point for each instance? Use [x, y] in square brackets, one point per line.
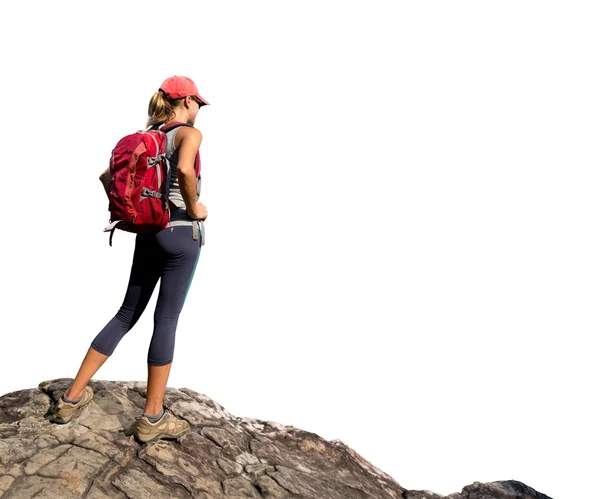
[65, 399]
[154, 419]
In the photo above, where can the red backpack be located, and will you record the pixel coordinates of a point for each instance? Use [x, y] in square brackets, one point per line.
[138, 188]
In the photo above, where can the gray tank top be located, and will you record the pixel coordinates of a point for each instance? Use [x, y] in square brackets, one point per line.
[179, 214]
[173, 157]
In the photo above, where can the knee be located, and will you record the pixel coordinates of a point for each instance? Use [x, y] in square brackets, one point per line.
[127, 318]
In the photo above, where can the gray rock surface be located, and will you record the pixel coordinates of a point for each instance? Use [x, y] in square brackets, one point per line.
[222, 456]
[509, 489]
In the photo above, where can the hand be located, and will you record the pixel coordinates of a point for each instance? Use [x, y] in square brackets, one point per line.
[199, 212]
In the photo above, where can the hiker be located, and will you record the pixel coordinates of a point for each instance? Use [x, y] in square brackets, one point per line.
[170, 255]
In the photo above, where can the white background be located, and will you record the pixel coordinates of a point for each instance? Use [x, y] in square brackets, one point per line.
[402, 244]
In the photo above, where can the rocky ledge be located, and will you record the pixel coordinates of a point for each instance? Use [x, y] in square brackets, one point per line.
[221, 456]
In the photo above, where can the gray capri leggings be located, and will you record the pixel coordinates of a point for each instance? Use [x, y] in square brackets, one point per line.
[171, 256]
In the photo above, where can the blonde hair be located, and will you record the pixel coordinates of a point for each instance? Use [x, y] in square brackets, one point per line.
[161, 109]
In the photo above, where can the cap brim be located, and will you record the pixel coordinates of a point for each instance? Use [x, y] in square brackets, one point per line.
[206, 103]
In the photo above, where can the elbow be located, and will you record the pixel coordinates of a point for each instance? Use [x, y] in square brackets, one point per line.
[186, 170]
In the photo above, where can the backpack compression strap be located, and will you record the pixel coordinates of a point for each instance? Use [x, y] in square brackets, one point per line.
[112, 228]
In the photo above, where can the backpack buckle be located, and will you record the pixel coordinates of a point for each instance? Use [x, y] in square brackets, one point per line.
[147, 193]
[156, 159]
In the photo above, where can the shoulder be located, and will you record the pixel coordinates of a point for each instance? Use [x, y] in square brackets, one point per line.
[188, 134]
[189, 131]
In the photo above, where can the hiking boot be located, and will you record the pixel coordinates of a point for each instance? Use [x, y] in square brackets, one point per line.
[64, 411]
[167, 427]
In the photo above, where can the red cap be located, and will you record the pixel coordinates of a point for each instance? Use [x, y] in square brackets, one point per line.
[180, 86]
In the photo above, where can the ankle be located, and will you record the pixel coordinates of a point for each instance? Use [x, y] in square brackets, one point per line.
[153, 409]
[71, 395]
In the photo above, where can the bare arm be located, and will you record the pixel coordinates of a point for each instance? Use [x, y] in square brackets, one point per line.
[105, 179]
[189, 142]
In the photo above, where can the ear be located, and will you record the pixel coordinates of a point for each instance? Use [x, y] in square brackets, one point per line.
[188, 101]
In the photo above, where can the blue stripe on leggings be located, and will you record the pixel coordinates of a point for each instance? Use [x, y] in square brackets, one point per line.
[193, 270]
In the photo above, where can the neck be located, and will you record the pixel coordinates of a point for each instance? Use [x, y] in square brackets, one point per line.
[182, 116]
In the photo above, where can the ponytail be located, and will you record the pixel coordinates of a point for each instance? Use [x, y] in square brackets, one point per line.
[160, 109]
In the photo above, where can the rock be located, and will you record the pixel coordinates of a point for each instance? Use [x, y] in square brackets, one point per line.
[221, 456]
[509, 489]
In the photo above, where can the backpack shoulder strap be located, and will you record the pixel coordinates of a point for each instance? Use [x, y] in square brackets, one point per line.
[172, 126]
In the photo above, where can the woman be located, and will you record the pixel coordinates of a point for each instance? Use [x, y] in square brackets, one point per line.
[171, 255]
